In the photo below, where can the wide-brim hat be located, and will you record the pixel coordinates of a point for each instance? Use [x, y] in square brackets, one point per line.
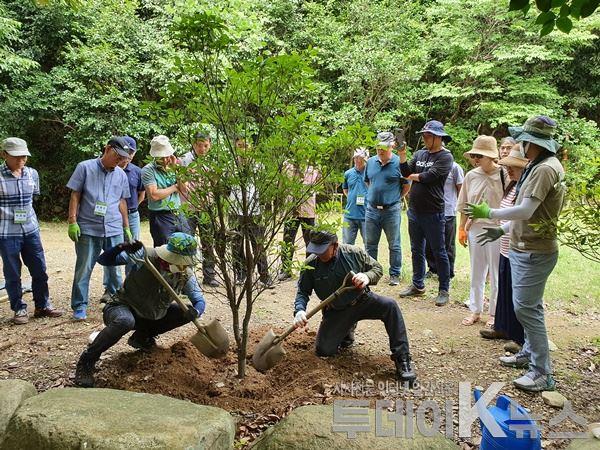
[15, 147]
[537, 130]
[320, 241]
[484, 145]
[180, 250]
[515, 158]
[160, 147]
[436, 128]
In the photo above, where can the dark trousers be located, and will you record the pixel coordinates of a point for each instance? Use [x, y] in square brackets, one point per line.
[247, 227]
[30, 249]
[120, 319]
[165, 223]
[290, 230]
[337, 324]
[450, 241]
[430, 228]
[208, 254]
[506, 320]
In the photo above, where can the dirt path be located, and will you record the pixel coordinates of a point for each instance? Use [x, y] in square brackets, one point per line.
[445, 353]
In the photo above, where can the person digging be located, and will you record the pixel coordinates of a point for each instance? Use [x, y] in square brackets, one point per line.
[329, 263]
[143, 304]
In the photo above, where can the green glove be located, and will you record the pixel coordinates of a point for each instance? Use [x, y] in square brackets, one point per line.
[74, 232]
[481, 211]
[489, 235]
[128, 235]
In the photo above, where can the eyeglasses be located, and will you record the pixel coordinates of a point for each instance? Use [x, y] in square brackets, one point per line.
[120, 157]
[476, 156]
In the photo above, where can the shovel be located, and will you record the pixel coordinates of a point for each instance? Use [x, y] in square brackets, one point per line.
[269, 351]
[211, 340]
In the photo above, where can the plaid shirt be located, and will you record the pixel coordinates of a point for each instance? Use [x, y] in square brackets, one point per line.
[17, 193]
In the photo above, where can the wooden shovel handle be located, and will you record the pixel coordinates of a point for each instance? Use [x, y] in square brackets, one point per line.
[341, 290]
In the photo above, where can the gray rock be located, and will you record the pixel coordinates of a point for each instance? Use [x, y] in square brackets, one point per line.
[590, 443]
[73, 418]
[12, 394]
[310, 428]
[554, 399]
[552, 346]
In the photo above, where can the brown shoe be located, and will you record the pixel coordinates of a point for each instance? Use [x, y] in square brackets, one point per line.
[512, 347]
[488, 333]
[49, 311]
[21, 317]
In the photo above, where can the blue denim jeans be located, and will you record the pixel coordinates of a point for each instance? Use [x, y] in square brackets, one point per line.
[430, 228]
[387, 220]
[351, 229]
[30, 249]
[88, 248]
[529, 272]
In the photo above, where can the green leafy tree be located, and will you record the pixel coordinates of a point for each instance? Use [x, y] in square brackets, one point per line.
[556, 13]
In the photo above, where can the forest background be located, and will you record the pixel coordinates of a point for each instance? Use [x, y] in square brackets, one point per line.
[72, 75]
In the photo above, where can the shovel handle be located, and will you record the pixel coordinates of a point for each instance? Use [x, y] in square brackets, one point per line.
[171, 291]
[339, 291]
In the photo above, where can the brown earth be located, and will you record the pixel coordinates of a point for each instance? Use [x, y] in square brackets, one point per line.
[445, 353]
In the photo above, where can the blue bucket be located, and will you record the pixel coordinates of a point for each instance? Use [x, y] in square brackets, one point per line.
[522, 432]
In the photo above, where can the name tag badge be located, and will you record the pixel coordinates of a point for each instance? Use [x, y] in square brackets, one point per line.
[360, 200]
[100, 209]
[20, 215]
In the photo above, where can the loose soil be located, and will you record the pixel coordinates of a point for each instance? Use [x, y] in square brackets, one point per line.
[445, 353]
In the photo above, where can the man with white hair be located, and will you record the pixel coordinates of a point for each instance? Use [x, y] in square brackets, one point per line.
[355, 191]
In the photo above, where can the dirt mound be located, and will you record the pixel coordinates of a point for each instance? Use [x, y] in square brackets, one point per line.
[301, 378]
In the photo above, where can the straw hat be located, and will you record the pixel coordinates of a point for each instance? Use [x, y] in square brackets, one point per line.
[484, 145]
[515, 158]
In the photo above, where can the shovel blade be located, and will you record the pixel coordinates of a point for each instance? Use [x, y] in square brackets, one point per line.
[266, 355]
[214, 343]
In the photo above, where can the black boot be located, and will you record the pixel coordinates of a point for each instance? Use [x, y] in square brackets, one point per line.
[84, 372]
[348, 340]
[404, 369]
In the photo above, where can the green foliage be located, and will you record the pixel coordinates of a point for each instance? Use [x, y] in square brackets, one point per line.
[556, 12]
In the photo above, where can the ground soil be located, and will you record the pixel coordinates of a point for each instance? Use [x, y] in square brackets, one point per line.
[445, 353]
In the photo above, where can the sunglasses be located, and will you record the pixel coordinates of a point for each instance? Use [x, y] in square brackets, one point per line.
[476, 156]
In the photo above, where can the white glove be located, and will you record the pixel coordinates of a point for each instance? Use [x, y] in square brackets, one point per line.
[360, 280]
[300, 319]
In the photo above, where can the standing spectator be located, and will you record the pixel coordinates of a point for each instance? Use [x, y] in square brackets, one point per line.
[533, 252]
[305, 218]
[485, 181]
[386, 188]
[506, 325]
[162, 190]
[428, 170]
[200, 148]
[451, 190]
[97, 217]
[506, 145]
[20, 232]
[355, 191]
[138, 194]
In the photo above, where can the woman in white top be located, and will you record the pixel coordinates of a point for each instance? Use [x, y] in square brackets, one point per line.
[484, 182]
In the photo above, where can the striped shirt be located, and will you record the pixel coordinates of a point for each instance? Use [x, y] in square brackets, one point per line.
[17, 194]
[508, 201]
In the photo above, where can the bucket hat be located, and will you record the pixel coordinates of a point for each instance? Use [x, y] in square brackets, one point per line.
[484, 145]
[437, 128]
[181, 250]
[539, 130]
[515, 158]
[361, 152]
[160, 147]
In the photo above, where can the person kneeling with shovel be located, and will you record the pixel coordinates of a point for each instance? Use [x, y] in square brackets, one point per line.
[329, 263]
[143, 304]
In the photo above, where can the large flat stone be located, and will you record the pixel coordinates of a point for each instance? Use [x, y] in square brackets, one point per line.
[73, 418]
[310, 428]
[12, 394]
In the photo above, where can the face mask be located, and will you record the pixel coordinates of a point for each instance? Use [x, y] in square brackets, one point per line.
[174, 269]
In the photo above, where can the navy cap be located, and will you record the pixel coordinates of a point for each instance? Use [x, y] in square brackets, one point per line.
[131, 142]
[320, 241]
[121, 146]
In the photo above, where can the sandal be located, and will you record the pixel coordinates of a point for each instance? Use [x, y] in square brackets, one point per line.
[490, 322]
[470, 320]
